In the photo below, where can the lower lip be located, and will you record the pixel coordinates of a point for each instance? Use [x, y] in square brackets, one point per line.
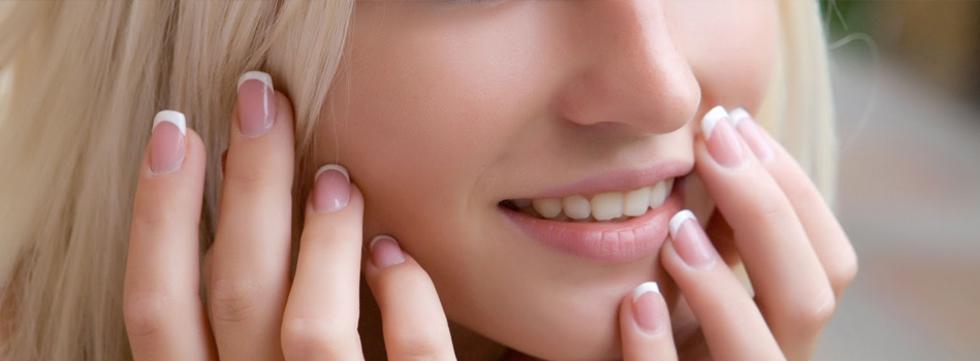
[616, 242]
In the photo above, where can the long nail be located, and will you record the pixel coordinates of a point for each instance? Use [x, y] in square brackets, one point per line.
[690, 241]
[723, 142]
[752, 133]
[648, 307]
[331, 189]
[385, 251]
[256, 103]
[167, 141]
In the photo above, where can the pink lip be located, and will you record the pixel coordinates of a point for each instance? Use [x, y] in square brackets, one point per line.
[616, 242]
[619, 180]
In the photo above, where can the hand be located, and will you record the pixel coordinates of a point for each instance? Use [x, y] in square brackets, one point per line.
[797, 256]
[254, 311]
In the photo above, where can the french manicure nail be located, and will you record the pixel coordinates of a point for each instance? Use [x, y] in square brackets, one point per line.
[690, 241]
[167, 141]
[385, 251]
[722, 141]
[331, 189]
[647, 309]
[752, 133]
[256, 103]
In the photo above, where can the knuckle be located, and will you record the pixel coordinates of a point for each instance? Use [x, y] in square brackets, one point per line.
[144, 314]
[771, 209]
[415, 346]
[232, 301]
[803, 194]
[814, 313]
[844, 272]
[303, 338]
[149, 217]
[248, 179]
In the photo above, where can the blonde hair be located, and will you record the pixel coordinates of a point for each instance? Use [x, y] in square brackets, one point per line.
[82, 79]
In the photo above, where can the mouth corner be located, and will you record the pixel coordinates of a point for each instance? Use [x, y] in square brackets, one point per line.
[507, 204]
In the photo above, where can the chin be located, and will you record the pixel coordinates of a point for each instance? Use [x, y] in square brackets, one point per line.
[550, 341]
[559, 324]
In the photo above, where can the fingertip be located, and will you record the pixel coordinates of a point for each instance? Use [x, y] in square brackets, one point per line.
[649, 309]
[673, 263]
[195, 160]
[284, 108]
[645, 324]
[385, 251]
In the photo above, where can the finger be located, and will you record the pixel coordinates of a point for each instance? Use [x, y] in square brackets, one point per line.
[792, 289]
[250, 257]
[723, 238]
[730, 321]
[414, 323]
[833, 248]
[320, 320]
[644, 324]
[163, 313]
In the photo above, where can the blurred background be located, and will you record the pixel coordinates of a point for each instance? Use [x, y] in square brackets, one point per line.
[907, 85]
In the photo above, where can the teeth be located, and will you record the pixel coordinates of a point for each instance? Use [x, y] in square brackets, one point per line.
[548, 207]
[637, 202]
[602, 207]
[606, 206]
[658, 194]
[576, 207]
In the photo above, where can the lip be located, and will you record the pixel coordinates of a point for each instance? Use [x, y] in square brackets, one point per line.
[619, 180]
[614, 242]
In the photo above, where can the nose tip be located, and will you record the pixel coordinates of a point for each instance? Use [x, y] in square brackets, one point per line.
[639, 79]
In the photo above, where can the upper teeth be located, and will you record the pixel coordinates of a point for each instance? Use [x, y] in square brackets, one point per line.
[603, 206]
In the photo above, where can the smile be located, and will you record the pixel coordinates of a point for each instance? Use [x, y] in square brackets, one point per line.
[596, 221]
[607, 206]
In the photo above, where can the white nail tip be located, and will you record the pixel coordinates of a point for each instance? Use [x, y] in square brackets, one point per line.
[336, 167]
[263, 77]
[173, 117]
[378, 238]
[644, 288]
[678, 219]
[737, 115]
[711, 119]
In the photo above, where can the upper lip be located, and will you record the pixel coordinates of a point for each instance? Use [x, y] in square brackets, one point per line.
[619, 180]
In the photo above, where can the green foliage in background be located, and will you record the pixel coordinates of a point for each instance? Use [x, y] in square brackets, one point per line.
[845, 16]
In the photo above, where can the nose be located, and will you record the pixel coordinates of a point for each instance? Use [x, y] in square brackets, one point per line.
[634, 75]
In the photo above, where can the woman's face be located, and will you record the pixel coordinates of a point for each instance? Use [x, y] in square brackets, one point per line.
[445, 109]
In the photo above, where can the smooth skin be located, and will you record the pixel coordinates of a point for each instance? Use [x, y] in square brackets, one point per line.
[445, 108]
[798, 258]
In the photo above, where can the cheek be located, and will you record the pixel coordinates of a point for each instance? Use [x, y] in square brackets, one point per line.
[731, 45]
[420, 116]
[418, 121]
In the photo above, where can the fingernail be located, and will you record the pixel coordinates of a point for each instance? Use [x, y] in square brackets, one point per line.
[723, 142]
[331, 189]
[648, 306]
[167, 141]
[256, 105]
[752, 133]
[690, 241]
[385, 251]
